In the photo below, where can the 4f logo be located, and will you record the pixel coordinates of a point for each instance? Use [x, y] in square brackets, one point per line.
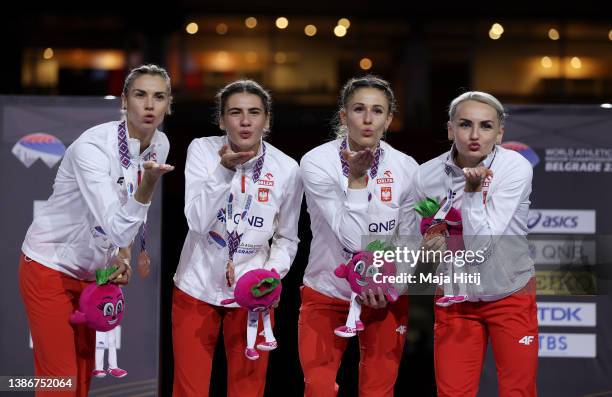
[402, 329]
[388, 174]
[269, 176]
[526, 340]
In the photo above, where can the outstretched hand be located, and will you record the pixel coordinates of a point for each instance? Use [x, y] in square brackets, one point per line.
[152, 172]
[230, 159]
[155, 170]
[359, 163]
[474, 178]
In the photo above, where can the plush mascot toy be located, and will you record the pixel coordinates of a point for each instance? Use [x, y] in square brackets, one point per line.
[364, 275]
[257, 290]
[447, 223]
[432, 226]
[101, 304]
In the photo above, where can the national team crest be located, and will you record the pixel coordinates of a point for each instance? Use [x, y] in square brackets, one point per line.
[385, 193]
[262, 195]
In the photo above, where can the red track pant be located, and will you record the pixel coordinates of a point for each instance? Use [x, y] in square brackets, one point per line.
[381, 344]
[60, 349]
[195, 329]
[461, 333]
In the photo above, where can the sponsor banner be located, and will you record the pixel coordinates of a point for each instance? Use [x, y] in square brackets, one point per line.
[567, 314]
[567, 345]
[563, 282]
[579, 160]
[561, 221]
[562, 252]
[570, 150]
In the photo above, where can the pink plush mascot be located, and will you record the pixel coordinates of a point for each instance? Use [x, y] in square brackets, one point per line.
[257, 290]
[365, 276]
[101, 304]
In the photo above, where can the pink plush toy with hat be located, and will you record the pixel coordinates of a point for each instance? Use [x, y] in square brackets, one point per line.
[101, 304]
[257, 290]
[364, 275]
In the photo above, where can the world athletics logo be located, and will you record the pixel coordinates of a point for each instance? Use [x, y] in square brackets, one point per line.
[524, 150]
[39, 146]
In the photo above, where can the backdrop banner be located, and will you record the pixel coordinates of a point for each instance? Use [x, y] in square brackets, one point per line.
[570, 149]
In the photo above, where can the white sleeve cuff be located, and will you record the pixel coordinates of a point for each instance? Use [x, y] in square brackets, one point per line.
[136, 209]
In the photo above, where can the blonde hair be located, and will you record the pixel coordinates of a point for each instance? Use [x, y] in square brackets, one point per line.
[481, 97]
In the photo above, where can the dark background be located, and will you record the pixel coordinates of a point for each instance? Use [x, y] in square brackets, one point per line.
[427, 70]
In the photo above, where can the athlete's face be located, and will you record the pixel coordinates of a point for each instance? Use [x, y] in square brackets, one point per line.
[146, 103]
[367, 117]
[475, 129]
[244, 119]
